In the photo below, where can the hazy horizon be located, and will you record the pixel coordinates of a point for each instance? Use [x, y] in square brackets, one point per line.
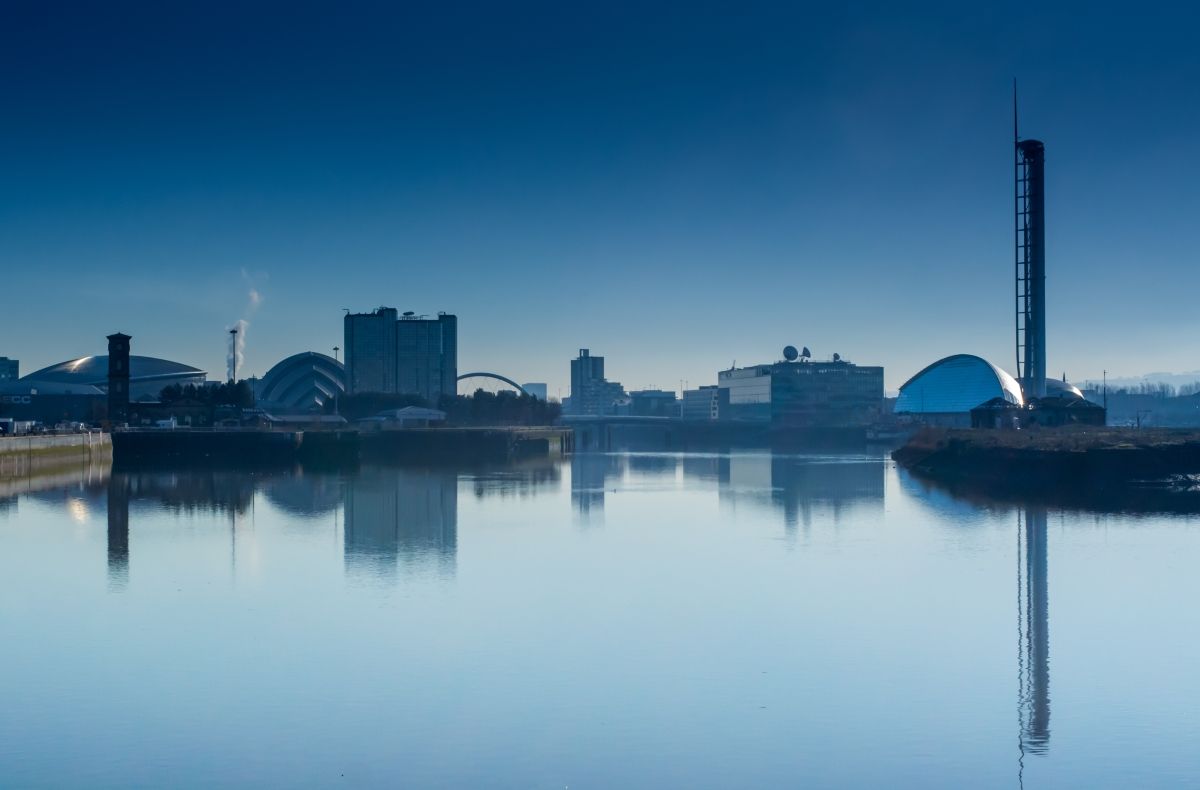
[675, 187]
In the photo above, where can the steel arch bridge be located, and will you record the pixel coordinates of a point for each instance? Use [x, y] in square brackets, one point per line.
[496, 376]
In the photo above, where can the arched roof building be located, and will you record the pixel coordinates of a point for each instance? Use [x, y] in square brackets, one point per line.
[946, 391]
[147, 375]
[301, 383]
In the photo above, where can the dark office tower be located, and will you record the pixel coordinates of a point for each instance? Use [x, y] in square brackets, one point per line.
[10, 369]
[1031, 266]
[585, 369]
[591, 393]
[370, 344]
[427, 356]
[118, 378]
[449, 362]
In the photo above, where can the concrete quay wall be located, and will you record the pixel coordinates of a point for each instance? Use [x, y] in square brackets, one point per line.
[21, 456]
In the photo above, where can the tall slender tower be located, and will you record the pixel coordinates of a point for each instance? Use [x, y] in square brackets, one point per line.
[118, 378]
[1030, 193]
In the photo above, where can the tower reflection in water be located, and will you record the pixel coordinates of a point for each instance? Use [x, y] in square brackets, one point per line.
[397, 516]
[118, 532]
[591, 474]
[1033, 662]
[174, 491]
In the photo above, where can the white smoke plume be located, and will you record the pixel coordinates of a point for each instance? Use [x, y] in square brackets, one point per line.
[237, 350]
[235, 357]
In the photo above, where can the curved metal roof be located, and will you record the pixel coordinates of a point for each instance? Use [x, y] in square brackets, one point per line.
[957, 384]
[303, 382]
[1056, 388]
[94, 370]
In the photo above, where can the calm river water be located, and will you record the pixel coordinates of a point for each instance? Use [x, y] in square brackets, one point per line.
[610, 621]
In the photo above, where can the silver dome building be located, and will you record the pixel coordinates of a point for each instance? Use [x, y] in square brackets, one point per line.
[147, 376]
[945, 392]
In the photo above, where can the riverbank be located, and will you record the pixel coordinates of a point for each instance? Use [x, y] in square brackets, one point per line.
[266, 447]
[1056, 459]
[21, 456]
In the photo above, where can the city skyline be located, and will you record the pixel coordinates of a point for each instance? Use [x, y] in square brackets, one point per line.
[676, 195]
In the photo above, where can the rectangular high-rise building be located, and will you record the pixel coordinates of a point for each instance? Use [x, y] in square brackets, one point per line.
[401, 354]
[427, 356]
[370, 345]
[10, 369]
[591, 393]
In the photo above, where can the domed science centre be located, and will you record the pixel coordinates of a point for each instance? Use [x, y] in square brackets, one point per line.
[964, 390]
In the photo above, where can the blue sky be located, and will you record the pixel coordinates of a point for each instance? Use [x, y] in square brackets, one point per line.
[675, 186]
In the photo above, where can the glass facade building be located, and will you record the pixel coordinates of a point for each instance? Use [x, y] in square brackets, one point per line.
[804, 394]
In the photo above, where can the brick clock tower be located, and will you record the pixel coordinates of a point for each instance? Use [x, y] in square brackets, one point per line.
[118, 378]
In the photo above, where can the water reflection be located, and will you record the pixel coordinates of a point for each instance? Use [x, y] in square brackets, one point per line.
[397, 516]
[305, 494]
[392, 517]
[651, 466]
[795, 485]
[800, 485]
[191, 490]
[891, 638]
[118, 532]
[591, 475]
[521, 479]
[1033, 667]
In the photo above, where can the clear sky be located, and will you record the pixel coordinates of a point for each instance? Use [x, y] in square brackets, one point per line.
[675, 186]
